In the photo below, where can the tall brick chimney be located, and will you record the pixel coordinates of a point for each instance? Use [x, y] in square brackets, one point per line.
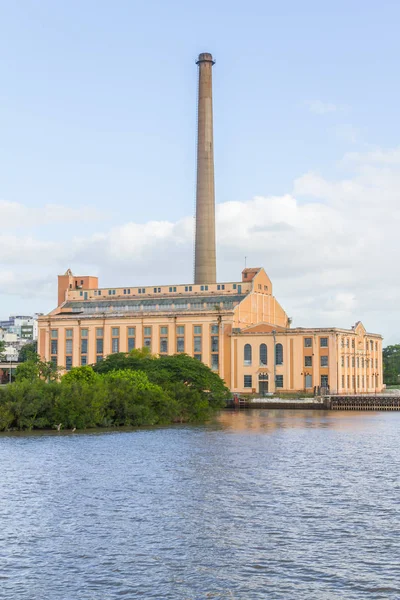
[205, 255]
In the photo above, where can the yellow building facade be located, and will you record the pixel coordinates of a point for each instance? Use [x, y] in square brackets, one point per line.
[238, 329]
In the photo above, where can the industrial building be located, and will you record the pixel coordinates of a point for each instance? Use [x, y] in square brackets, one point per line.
[237, 328]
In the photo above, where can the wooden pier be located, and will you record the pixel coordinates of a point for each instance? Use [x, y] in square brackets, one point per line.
[333, 402]
[382, 402]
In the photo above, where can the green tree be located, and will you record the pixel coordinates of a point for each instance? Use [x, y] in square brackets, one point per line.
[391, 365]
[28, 352]
[34, 368]
[2, 349]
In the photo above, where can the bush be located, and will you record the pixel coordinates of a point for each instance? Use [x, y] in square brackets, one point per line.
[126, 389]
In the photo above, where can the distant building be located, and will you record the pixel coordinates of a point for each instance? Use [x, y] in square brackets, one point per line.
[17, 331]
[25, 327]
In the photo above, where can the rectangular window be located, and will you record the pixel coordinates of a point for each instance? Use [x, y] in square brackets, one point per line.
[99, 332]
[248, 381]
[163, 345]
[214, 362]
[131, 344]
[83, 360]
[234, 286]
[214, 329]
[147, 331]
[53, 360]
[214, 343]
[54, 333]
[180, 330]
[197, 330]
[324, 342]
[371, 345]
[147, 342]
[115, 331]
[131, 331]
[202, 288]
[353, 362]
[99, 358]
[342, 361]
[84, 346]
[358, 381]
[68, 333]
[353, 343]
[342, 381]
[358, 362]
[180, 344]
[363, 381]
[354, 381]
[348, 381]
[279, 381]
[197, 343]
[84, 333]
[376, 363]
[68, 363]
[163, 330]
[307, 342]
[324, 381]
[54, 346]
[308, 361]
[197, 356]
[115, 345]
[68, 347]
[99, 346]
[324, 361]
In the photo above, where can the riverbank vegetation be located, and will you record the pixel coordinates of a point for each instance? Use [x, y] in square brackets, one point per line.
[134, 389]
[391, 365]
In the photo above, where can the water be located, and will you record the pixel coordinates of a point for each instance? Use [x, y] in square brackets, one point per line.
[260, 504]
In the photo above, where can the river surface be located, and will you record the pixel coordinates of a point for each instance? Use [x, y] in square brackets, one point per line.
[260, 504]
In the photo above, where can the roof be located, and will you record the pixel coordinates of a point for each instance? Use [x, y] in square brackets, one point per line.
[156, 304]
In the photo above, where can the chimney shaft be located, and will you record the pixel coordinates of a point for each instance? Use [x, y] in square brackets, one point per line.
[205, 256]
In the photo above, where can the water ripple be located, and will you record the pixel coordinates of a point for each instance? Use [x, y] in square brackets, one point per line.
[260, 504]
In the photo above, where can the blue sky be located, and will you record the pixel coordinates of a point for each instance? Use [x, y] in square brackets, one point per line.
[98, 117]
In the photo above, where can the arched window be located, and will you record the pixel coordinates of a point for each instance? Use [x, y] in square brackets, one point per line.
[279, 354]
[247, 354]
[263, 355]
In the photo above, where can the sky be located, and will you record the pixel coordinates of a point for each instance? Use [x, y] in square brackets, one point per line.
[98, 135]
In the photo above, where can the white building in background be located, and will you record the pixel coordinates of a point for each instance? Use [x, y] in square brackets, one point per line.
[17, 331]
[24, 326]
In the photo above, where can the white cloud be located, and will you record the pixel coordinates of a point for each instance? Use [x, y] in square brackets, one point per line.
[330, 247]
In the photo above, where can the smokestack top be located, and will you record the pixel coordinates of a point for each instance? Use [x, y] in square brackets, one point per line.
[205, 57]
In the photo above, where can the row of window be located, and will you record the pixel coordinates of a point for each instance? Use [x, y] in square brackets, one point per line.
[323, 342]
[346, 342]
[370, 382]
[248, 380]
[308, 361]
[157, 290]
[147, 331]
[115, 343]
[361, 362]
[263, 354]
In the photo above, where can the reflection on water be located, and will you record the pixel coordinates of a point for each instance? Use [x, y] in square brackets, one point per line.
[259, 504]
[258, 420]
